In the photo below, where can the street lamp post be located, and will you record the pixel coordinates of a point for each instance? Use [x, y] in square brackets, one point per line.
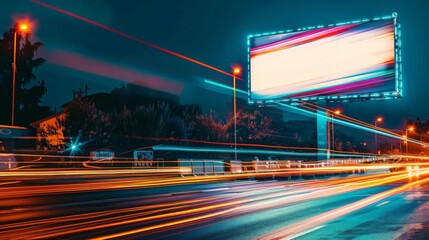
[411, 129]
[379, 119]
[235, 71]
[406, 141]
[22, 27]
[337, 112]
[332, 140]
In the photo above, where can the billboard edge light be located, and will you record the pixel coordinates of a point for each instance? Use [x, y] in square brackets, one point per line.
[340, 98]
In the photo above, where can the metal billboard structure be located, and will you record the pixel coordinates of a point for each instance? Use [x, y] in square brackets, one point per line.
[347, 61]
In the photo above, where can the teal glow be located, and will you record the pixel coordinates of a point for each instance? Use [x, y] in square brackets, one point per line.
[345, 98]
[245, 151]
[223, 86]
[322, 142]
[74, 146]
[348, 124]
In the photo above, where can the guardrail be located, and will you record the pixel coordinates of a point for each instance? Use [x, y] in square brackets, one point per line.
[273, 166]
[203, 166]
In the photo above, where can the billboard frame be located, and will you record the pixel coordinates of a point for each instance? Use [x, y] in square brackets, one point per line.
[344, 97]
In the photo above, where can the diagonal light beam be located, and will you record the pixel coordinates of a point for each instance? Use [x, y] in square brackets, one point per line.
[133, 38]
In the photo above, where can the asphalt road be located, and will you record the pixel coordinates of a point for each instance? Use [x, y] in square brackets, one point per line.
[359, 206]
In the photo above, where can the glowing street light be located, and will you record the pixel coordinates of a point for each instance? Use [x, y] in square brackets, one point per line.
[23, 28]
[235, 71]
[377, 120]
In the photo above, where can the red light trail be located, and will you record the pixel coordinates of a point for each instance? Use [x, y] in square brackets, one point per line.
[133, 38]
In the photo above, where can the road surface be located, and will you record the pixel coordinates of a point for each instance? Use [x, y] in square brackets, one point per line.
[380, 205]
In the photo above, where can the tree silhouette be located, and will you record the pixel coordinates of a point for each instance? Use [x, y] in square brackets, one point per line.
[252, 127]
[29, 90]
[88, 123]
[209, 127]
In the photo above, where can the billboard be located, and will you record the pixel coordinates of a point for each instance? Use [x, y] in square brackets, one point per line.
[102, 155]
[143, 158]
[357, 60]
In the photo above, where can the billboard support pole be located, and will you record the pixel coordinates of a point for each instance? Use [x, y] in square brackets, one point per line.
[323, 140]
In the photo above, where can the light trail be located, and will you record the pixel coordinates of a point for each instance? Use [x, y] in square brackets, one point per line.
[296, 229]
[249, 151]
[339, 119]
[8, 183]
[223, 86]
[349, 124]
[267, 201]
[357, 124]
[223, 143]
[55, 172]
[87, 216]
[261, 196]
[132, 37]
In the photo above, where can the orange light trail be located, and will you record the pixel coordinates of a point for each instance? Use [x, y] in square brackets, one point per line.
[313, 107]
[177, 213]
[291, 231]
[132, 38]
[231, 207]
[268, 201]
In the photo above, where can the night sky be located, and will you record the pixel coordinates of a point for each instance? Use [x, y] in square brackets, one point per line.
[213, 32]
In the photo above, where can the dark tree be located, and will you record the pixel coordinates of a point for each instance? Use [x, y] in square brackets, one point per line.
[86, 122]
[209, 127]
[252, 127]
[29, 90]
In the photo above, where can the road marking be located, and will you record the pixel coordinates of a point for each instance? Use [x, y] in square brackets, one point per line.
[383, 203]
[304, 232]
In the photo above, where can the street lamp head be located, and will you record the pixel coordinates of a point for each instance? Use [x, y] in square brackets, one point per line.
[23, 27]
[411, 129]
[379, 119]
[236, 70]
[338, 112]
